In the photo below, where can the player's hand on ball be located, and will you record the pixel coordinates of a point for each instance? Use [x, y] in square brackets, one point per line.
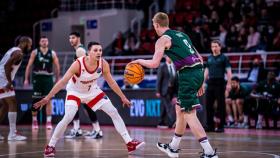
[126, 102]
[41, 103]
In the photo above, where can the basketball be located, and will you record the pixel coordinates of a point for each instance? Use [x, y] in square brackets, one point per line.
[134, 73]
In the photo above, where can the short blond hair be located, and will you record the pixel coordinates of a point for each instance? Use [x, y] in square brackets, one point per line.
[162, 19]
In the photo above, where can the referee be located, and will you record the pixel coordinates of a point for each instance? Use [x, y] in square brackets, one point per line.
[216, 67]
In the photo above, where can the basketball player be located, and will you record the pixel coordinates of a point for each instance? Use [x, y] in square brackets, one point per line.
[178, 47]
[82, 88]
[42, 59]
[9, 65]
[96, 133]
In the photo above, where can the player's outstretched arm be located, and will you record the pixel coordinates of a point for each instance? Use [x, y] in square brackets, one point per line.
[74, 69]
[161, 44]
[113, 84]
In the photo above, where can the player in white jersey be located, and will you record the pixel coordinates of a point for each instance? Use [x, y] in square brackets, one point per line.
[76, 131]
[8, 69]
[82, 88]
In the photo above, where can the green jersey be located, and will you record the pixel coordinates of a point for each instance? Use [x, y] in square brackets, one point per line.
[43, 63]
[182, 52]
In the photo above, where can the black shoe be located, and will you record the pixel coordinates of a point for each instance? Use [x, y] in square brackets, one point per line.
[219, 130]
[168, 150]
[203, 155]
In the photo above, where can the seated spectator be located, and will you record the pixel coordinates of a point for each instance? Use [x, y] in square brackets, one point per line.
[127, 85]
[257, 72]
[234, 105]
[231, 40]
[252, 40]
[117, 46]
[131, 44]
[267, 94]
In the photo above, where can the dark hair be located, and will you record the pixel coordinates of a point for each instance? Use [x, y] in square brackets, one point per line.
[235, 78]
[216, 41]
[22, 39]
[77, 34]
[43, 37]
[90, 44]
[17, 40]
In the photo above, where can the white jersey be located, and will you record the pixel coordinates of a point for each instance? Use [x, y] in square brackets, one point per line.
[7, 56]
[85, 81]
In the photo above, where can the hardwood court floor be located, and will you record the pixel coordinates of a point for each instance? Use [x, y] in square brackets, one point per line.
[234, 143]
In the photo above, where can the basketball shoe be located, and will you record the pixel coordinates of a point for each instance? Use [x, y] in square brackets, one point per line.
[94, 135]
[14, 136]
[74, 133]
[49, 151]
[168, 150]
[35, 125]
[134, 145]
[203, 155]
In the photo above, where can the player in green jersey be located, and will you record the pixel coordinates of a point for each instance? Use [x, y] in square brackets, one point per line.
[189, 66]
[43, 59]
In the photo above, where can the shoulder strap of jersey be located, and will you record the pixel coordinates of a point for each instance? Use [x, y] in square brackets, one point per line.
[81, 61]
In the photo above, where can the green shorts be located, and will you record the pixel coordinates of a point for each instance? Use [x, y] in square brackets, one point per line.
[42, 85]
[190, 80]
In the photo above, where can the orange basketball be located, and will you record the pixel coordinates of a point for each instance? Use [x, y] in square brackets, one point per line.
[134, 73]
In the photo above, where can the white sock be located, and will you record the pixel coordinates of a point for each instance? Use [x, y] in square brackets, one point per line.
[49, 118]
[245, 119]
[260, 117]
[70, 111]
[174, 144]
[126, 137]
[96, 126]
[208, 150]
[76, 124]
[230, 118]
[117, 121]
[12, 121]
[34, 118]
